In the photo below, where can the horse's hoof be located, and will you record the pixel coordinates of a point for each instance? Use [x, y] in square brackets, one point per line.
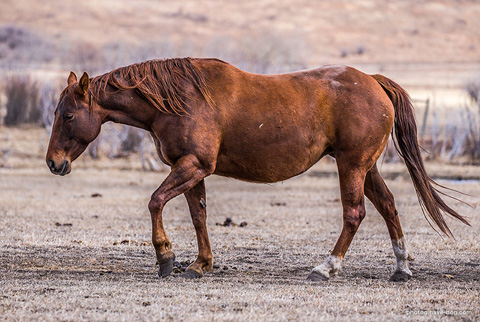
[166, 267]
[400, 276]
[191, 274]
[316, 277]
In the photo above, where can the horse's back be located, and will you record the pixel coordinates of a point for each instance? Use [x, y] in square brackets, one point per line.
[274, 127]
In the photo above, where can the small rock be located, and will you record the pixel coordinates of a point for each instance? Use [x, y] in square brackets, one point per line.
[177, 270]
[96, 195]
[146, 303]
[123, 242]
[229, 223]
[181, 266]
[372, 277]
[448, 276]
[65, 225]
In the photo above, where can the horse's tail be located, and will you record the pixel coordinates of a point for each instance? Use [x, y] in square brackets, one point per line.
[407, 146]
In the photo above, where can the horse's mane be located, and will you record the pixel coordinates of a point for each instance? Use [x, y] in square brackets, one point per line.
[159, 82]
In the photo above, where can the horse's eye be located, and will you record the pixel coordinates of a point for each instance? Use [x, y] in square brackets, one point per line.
[68, 116]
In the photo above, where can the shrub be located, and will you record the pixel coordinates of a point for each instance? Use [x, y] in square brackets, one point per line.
[22, 96]
[472, 119]
[264, 51]
[86, 56]
[19, 45]
[47, 103]
[473, 91]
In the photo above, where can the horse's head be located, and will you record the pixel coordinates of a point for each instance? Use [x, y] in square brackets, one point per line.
[77, 123]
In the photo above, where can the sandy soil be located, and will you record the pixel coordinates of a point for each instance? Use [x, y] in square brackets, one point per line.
[78, 248]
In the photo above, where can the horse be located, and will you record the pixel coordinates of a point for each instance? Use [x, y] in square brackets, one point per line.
[208, 117]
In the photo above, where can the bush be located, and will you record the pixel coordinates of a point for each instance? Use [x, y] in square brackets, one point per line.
[264, 52]
[22, 96]
[472, 119]
[473, 91]
[86, 56]
[47, 103]
[19, 46]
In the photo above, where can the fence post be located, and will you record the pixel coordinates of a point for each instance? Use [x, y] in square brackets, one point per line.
[425, 115]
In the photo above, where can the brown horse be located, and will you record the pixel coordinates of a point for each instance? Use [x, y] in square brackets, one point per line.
[208, 117]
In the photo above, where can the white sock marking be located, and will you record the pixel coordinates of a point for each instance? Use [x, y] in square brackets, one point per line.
[401, 253]
[331, 265]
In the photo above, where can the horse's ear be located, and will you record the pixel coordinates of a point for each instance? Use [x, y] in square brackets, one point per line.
[84, 83]
[72, 78]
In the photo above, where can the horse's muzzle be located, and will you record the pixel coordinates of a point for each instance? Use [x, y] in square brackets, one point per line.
[61, 169]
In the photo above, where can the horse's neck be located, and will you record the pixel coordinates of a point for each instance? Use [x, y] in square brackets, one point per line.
[127, 108]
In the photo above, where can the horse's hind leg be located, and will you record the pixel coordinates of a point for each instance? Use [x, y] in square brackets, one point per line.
[196, 203]
[378, 193]
[352, 194]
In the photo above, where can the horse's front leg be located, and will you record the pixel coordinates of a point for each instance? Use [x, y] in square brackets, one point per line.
[197, 204]
[185, 174]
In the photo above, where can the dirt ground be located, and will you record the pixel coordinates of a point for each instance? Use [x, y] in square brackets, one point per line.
[78, 247]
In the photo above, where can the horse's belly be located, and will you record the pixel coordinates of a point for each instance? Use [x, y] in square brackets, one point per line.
[272, 144]
[268, 165]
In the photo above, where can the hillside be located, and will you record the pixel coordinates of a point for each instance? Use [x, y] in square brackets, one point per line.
[424, 45]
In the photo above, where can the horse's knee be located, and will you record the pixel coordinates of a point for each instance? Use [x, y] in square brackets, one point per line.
[156, 204]
[353, 217]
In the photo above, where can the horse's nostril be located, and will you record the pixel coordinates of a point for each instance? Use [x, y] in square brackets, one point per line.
[51, 164]
[64, 168]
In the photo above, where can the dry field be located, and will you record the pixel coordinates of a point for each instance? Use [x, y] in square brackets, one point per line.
[78, 247]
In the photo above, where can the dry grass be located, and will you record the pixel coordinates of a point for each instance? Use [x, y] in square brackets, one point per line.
[61, 256]
[50, 270]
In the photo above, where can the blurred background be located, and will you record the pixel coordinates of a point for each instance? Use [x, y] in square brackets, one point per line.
[432, 48]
